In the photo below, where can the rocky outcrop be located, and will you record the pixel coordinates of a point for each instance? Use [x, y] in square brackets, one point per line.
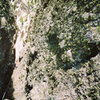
[57, 48]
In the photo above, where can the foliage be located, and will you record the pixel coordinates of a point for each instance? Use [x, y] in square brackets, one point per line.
[72, 27]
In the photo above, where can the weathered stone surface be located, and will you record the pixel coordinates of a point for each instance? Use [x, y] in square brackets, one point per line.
[57, 48]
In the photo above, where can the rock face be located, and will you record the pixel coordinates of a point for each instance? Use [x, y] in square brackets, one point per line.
[57, 50]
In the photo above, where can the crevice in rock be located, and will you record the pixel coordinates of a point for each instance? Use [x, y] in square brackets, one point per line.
[94, 50]
[7, 31]
[32, 57]
[28, 87]
[9, 91]
[8, 63]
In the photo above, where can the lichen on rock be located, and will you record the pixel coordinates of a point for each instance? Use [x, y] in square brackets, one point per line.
[58, 50]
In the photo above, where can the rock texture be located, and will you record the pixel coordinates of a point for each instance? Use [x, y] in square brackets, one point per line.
[57, 50]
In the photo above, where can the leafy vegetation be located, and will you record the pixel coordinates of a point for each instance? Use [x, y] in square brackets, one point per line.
[72, 28]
